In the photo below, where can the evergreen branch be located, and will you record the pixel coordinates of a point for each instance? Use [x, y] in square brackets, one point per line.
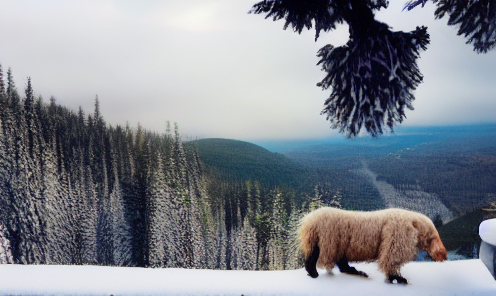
[476, 19]
[372, 79]
[300, 14]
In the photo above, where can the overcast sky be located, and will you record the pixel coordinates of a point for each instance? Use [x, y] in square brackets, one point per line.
[216, 70]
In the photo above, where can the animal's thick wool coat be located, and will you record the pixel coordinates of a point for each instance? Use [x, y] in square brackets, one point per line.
[391, 237]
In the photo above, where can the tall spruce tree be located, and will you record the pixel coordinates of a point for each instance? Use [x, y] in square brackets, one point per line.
[373, 76]
[121, 241]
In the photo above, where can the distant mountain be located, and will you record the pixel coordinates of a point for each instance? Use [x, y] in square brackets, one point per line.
[456, 164]
[459, 138]
[235, 160]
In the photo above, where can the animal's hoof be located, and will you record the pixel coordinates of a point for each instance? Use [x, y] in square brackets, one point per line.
[313, 275]
[399, 279]
[361, 273]
[353, 271]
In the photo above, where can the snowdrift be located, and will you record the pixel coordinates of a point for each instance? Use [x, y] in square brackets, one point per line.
[465, 277]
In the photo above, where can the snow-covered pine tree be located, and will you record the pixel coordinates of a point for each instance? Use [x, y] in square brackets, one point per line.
[293, 245]
[54, 216]
[5, 253]
[248, 246]
[78, 191]
[121, 243]
[104, 219]
[158, 223]
[137, 200]
[181, 202]
[335, 200]
[24, 195]
[221, 237]
[279, 235]
[6, 168]
[2, 88]
[315, 201]
[374, 75]
[200, 232]
[283, 244]
[89, 220]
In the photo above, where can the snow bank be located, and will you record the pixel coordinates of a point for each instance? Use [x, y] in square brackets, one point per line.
[487, 231]
[467, 277]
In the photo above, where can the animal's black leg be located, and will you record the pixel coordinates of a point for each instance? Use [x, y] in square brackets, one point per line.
[311, 262]
[344, 267]
[399, 279]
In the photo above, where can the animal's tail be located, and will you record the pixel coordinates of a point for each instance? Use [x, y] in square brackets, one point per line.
[309, 245]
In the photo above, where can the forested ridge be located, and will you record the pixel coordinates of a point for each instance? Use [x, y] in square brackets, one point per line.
[75, 190]
[236, 160]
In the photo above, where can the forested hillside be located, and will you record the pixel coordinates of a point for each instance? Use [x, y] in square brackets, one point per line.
[455, 164]
[239, 161]
[75, 190]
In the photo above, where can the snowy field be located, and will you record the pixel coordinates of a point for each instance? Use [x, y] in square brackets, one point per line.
[467, 277]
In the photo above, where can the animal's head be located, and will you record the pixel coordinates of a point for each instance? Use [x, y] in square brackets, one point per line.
[429, 240]
[436, 249]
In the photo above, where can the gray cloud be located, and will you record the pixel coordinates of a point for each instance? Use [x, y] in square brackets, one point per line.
[213, 68]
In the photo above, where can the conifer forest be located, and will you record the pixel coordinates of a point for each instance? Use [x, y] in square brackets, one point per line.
[75, 190]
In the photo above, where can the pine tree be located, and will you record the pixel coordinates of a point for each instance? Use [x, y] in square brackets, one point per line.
[160, 250]
[221, 241]
[104, 220]
[59, 212]
[316, 201]
[121, 243]
[248, 246]
[30, 116]
[374, 75]
[138, 199]
[24, 194]
[12, 95]
[79, 197]
[283, 244]
[90, 211]
[199, 208]
[5, 249]
[3, 95]
[181, 202]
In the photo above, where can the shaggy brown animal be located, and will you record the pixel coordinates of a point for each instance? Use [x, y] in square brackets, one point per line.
[392, 237]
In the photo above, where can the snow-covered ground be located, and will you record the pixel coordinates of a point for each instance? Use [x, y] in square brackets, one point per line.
[466, 277]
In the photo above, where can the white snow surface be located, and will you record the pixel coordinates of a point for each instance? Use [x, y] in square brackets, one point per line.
[464, 277]
[487, 231]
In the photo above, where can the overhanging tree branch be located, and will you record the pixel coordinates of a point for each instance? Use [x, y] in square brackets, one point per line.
[374, 75]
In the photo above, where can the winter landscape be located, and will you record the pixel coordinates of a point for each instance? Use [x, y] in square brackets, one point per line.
[173, 147]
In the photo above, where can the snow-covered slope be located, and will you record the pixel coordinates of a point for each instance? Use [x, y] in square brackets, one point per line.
[468, 277]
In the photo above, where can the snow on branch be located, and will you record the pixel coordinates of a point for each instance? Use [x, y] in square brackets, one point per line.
[372, 79]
